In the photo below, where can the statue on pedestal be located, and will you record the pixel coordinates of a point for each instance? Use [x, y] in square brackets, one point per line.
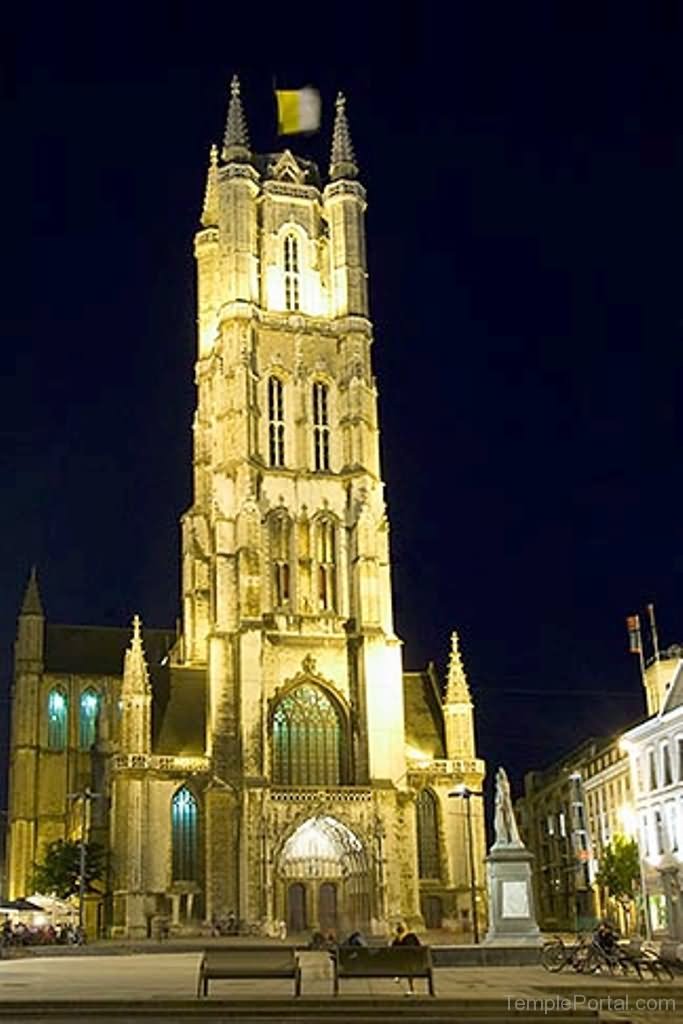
[505, 823]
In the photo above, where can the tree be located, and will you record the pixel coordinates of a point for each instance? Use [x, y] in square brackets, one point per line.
[60, 872]
[619, 870]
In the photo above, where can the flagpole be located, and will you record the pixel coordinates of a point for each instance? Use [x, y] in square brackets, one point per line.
[653, 630]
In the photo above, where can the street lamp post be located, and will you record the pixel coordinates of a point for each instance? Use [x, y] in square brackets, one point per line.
[85, 796]
[466, 794]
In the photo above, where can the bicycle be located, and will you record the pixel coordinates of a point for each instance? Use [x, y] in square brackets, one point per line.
[556, 954]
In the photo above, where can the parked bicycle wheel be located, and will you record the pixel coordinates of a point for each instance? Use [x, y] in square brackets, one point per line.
[554, 956]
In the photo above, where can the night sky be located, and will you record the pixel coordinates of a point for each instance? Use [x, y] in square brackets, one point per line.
[524, 168]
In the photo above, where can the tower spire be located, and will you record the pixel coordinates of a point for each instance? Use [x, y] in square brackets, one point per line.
[209, 216]
[236, 139]
[342, 160]
[457, 689]
[32, 604]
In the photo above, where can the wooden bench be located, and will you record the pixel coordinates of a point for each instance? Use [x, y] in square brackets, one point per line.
[248, 962]
[383, 962]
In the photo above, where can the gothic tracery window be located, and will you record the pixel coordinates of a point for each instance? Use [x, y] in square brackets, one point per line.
[185, 836]
[321, 427]
[292, 272]
[89, 711]
[57, 712]
[326, 562]
[428, 835]
[307, 739]
[280, 550]
[276, 422]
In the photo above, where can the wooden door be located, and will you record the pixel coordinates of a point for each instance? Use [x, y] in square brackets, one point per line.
[296, 908]
[327, 907]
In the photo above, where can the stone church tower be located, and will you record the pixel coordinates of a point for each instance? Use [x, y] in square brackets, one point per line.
[285, 764]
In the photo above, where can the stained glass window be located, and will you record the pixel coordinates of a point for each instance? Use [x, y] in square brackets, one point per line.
[428, 835]
[307, 739]
[292, 284]
[326, 563]
[90, 709]
[276, 422]
[280, 547]
[184, 823]
[57, 710]
[321, 426]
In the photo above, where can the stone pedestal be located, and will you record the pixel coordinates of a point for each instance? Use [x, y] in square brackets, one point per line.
[512, 914]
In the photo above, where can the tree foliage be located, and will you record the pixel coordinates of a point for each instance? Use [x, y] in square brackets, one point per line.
[59, 873]
[619, 870]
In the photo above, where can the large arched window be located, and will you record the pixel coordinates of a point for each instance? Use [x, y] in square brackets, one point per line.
[185, 836]
[280, 550]
[276, 422]
[292, 272]
[57, 718]
[427, 835]
[321, 426]
[89, 712]
[307, 739]
[326, 562]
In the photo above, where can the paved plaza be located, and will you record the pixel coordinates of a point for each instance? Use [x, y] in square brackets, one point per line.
[172, 976]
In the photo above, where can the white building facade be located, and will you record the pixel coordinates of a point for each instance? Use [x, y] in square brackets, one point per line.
[655, 748]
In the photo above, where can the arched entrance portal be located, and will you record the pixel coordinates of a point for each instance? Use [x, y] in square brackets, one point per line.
[323, 878]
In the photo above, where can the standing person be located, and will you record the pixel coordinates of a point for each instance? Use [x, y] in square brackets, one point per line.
[403, 937]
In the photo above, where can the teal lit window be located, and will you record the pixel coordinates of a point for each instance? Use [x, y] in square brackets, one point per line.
[428, 835]
[90, 709]
[307, 739]
[57, 709]
[185, 830]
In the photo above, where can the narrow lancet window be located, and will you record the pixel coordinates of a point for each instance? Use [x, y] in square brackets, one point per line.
[89, 711]
[321, 427]
[280, 547]
[185, 836]
[276, 422]
[57, 711]
[327, 565]
[292, 272]
[427, 835]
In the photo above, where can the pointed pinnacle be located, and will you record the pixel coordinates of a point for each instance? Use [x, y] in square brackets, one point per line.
[135, 673]
[32, 604]
[457, 689]
[236, 139]
[209, 216]
[342, 160]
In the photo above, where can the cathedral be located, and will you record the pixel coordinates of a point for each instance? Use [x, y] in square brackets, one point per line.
[269, 757]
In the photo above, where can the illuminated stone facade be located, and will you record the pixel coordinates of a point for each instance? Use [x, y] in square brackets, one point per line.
[272, 759]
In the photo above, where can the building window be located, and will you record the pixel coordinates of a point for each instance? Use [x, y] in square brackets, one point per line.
[292, 272]
[307, 739]
[280, 550]
[667, 774]
[645, 832]
[89, 712]
[276, 422]
[185, 836]
[652, 761]
[672, 826]
[321, 427]
[659, 831]
[57, 711]
[428, 835]
[680, 759]
[326, 565]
